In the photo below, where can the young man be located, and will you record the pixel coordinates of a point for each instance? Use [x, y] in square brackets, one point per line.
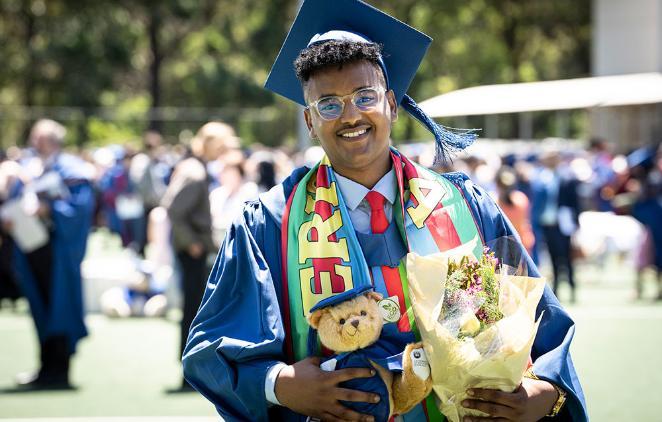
[342, 224]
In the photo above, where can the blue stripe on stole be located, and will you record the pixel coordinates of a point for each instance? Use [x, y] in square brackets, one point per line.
[422, 238]
[417, 414]
[378, 281]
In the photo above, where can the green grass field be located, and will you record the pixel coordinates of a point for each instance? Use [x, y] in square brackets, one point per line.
[125, 366]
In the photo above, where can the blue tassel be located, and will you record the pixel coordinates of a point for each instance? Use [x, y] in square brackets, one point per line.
[312, 341]
[447, 140]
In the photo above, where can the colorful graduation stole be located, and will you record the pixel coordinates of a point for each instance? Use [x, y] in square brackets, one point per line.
[322, 256]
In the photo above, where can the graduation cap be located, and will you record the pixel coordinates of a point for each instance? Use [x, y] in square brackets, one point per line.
[332, 301]
[341, 297]
[403, 49]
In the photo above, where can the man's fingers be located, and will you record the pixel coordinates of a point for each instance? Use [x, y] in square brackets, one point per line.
[496, 396]
[346, 394]
[491, 408]
[347, 374]
[315, 360]
[482, 419]
[328, 417]
[347, 414]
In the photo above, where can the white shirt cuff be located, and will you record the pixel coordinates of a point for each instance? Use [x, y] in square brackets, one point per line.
[270, 383]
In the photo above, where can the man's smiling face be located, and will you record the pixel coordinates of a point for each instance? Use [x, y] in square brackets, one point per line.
[357, 142]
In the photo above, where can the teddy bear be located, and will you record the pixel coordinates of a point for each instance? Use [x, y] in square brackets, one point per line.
[350, 324]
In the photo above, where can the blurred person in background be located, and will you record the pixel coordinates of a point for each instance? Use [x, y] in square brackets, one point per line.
[227, 200]
[121, 205]
[556, 210]
[187, 203]
[260, 167]
[646, 166]
[525, 171]
[149, 173]
[50, 276]
[603, 174]
[266, 175]
[9, 173]
[515, 205]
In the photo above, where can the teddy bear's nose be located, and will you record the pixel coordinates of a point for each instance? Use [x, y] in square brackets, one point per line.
[355, 323]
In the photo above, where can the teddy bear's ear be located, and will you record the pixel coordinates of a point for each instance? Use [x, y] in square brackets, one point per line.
[374, 296]
[314, 318]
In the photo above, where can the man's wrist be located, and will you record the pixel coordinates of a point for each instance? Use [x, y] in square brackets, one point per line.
[270, 383]
[560, 401]
[560, 394]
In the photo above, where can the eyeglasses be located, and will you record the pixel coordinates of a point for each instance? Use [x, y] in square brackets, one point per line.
[330, 108]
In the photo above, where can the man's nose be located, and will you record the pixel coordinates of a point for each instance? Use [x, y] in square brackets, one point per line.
[351, 113]
[355, 323]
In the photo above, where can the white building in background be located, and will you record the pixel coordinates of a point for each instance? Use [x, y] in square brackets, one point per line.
[627, 38]
[623, 97]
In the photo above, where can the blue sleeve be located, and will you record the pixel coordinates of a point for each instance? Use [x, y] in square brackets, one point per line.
[238, 334]
[72, 216]
[550, 352]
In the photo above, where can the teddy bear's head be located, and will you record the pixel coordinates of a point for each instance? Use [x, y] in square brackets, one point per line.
[349, 325]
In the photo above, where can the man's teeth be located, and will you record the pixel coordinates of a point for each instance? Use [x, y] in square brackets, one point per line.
[354, 134]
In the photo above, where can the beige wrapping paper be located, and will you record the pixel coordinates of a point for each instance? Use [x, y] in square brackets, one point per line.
[495, 358]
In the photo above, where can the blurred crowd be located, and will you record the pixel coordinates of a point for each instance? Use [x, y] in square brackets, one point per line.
[170, 204]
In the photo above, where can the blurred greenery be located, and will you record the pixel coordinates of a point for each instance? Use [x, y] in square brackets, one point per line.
[113, 64]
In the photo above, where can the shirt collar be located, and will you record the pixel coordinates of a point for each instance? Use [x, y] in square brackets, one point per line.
[353, 192]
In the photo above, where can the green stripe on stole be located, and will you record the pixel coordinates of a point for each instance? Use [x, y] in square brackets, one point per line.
[299, 324]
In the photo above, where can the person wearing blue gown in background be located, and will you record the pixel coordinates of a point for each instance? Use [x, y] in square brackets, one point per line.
[236, 354]
[50, 276]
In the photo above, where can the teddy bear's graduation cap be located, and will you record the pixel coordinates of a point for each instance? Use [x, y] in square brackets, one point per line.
[341, 297]
[403, 49]
[332, 301]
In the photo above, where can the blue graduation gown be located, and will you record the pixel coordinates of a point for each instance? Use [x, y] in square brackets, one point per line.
[238, 333]
[71, 218]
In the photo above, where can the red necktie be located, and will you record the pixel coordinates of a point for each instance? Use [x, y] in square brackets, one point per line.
[378, 220]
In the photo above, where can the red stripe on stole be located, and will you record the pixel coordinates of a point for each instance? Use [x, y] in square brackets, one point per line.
[322, 177]
[438, 222]
[442, 229]
[289, 345]
[394, 288]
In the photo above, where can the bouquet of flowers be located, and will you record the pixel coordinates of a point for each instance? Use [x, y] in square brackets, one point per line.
[477, 321]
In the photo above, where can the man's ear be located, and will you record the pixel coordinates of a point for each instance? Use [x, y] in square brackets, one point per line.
[309, 123]
[374, 296]
[390, 97]
[314, 318]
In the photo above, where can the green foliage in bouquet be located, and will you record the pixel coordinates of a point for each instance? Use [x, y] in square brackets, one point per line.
[473, 285]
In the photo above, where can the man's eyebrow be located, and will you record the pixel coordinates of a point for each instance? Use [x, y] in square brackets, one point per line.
[336, 95]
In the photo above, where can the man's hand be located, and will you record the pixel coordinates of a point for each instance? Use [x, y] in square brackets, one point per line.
[531, 401]
[308, 390]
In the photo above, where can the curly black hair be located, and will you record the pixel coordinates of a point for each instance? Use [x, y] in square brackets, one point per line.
[334, 53]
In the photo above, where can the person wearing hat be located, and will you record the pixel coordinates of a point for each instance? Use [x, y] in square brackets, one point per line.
[347, 222]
